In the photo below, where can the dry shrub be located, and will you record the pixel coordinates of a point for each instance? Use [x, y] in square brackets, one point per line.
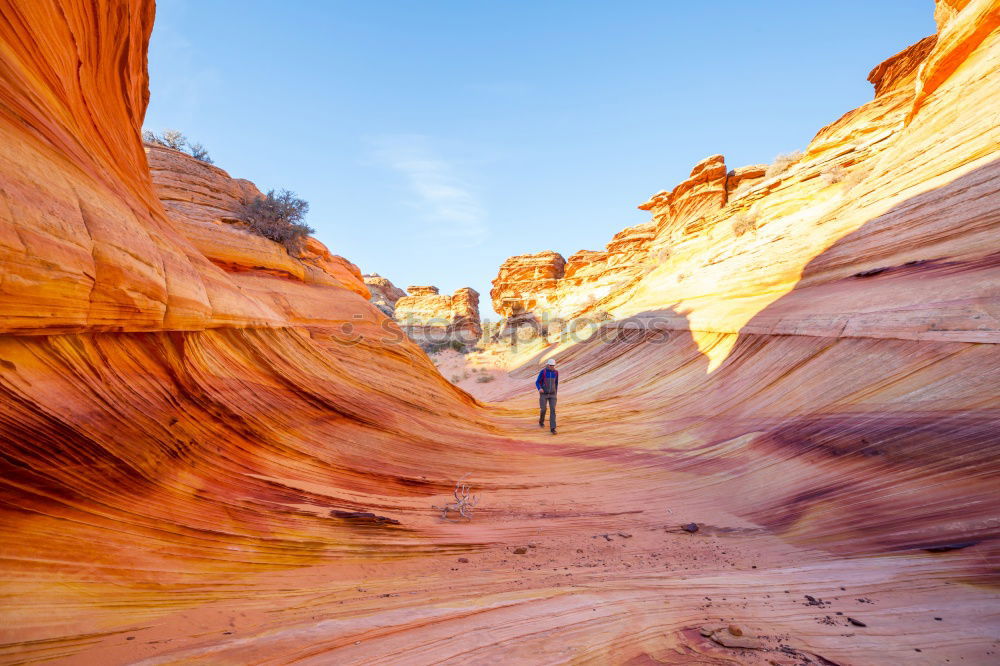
[782, 163]
[743, 222]
[854, 178]
[169, 138]
[199, 153]
[278, 217]
[176, 140]
[833, 175]
[661, 256]
[464, 502]
[483, 379]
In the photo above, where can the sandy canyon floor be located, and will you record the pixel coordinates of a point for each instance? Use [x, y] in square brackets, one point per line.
[583, 559]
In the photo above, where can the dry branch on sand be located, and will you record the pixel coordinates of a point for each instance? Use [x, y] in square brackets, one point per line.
[463, 504]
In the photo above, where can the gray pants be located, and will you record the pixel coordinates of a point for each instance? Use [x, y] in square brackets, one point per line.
[550, 400]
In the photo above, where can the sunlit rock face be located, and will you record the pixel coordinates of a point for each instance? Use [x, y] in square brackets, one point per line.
[205, 204]
[384, 292]
[432, 319]
[523, 279]
[728, 244]
[214, 454]
[546, 287]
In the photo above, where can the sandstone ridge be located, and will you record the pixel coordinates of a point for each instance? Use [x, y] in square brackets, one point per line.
[725, 244]
[213, 452]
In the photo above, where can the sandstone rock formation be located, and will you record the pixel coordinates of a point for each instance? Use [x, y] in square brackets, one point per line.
[210, 453]
[204, 202]
[384, 293]
[726, 244]
[539, 290]
[433, 320]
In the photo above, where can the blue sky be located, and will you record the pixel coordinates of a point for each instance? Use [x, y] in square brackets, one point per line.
[434, 139]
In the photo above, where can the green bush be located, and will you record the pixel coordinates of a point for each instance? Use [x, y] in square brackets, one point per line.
[278, 217]
[199, 153]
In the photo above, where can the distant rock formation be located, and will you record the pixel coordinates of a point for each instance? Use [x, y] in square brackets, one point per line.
[432, 320]
[725, 243]
[213, 452]
[544, 289]
[384, 293]
[525, 282]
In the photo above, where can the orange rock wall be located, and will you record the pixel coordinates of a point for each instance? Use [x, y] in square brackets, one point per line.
[173, 388]
[213, 453]
[728, 244]
[87, 246]
[204, 203]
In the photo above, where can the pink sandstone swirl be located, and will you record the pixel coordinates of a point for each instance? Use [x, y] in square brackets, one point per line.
[213, 452]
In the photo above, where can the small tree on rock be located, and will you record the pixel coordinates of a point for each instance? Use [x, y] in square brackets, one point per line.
[177, 141]
[278, 216]
[152, 137]
[199, 153]
[173, 139]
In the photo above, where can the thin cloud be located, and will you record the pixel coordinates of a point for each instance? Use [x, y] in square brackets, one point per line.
[442, 198]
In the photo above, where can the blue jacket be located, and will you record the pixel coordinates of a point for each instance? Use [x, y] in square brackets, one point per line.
[547, 372]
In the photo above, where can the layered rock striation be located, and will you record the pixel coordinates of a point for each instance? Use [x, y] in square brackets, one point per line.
[725, 244]
[210, 452]
[433, 320]
[176, 393]
[542, 289]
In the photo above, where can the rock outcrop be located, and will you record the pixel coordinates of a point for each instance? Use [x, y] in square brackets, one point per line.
[542, 289]
[522, 278]
[683, 210]
[727, 243]
[433, 320]
[213, 453]
[204, 203]
[384, 293]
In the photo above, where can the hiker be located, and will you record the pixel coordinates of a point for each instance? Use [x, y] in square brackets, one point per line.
[547, 385]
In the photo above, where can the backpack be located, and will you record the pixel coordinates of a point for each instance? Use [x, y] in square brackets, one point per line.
[549, 381]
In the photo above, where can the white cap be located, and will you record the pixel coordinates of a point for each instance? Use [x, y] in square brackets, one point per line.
[551, 361]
